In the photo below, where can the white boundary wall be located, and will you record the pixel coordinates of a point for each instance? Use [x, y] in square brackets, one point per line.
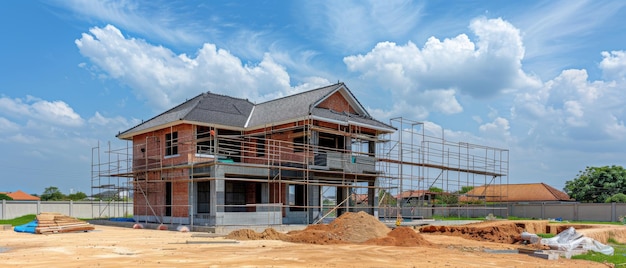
[76, 209]
[609, 212]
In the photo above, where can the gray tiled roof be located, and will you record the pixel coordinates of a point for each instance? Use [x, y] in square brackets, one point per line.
[228, 111]
[289, 107]
[204, 108]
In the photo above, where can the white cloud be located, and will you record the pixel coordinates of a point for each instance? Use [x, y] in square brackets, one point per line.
[7, 126]
[164, 79]
[112, 122]
[50, 112]
[442, 69]
[613, 65]
[58, 111]
[24, 139]
[499, 129]
[615, 128]
[570, 111]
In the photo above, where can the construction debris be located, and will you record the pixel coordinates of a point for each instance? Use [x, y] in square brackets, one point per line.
[570, 241]
[50, 222]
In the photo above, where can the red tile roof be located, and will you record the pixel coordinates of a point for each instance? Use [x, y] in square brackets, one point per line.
[415, 193]
[528, 192]
[20, 196]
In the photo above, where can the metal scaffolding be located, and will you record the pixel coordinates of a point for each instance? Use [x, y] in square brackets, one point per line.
[345, 168]
[429, 175]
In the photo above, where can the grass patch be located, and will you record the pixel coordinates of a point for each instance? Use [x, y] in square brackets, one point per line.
[619, 257]
[20, 220]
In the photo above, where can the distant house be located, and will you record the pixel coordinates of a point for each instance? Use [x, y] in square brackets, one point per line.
[360, 199]
[21, 196]
[415, 197]
[526, 192]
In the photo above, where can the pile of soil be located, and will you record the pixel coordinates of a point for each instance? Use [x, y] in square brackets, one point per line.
[348, 228]
[247, 234]
[401, 237]
[504, 232]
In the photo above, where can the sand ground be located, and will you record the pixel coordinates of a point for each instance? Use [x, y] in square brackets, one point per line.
[108, 246]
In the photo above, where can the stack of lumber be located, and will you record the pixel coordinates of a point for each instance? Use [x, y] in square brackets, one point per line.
[50, 222]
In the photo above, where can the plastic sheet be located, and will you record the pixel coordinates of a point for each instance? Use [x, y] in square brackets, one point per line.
[569, 240]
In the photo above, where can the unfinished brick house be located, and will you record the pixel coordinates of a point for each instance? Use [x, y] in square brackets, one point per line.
[219, 160]
[216, 160]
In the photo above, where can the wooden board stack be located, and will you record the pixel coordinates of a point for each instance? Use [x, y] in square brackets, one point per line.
[50, 222]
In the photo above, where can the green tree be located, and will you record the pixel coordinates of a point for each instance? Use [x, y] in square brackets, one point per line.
[466, 189]
[52, 194]
[597, 184]
[616, 198]
[435, 190]
[5, 197]
[77, 196]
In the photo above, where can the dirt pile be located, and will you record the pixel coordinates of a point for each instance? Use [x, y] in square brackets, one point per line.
[247, 234]
[503, 232]
[402, 237]
[348, 228]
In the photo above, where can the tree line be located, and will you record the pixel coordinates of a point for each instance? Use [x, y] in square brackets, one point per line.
[605, 184]
[53, 194]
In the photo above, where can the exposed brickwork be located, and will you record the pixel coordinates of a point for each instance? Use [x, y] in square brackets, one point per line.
[337, 103]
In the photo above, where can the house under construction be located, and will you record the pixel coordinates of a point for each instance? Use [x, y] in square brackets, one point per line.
[216, 160]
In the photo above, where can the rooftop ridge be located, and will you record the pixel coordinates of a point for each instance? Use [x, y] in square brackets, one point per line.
[299, 93]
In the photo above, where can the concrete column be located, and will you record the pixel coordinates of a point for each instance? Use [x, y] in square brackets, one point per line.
[613, 212]
[371, 198]
[220, 189]
[314, 200]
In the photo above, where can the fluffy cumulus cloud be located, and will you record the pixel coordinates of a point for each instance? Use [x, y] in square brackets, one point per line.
[164, 78]
[433, 76]
[51, 112]
[571, 111]
[613, 65]
[498, 129]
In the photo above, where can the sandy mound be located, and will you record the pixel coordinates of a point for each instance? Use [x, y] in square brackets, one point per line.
[348, 228]
[401, 236]
[247, 234]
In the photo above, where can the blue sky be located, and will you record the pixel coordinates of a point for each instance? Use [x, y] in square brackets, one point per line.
[545, 79]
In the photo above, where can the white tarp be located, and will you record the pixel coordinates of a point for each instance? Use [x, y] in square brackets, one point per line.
[570, 239]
